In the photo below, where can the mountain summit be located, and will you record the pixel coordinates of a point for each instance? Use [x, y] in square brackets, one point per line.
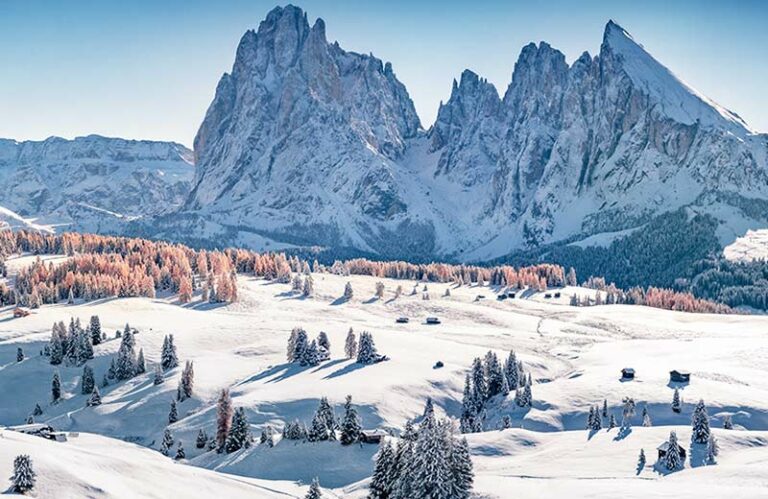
[305, 143]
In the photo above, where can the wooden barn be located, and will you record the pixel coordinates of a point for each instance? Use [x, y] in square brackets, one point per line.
[372, 436]
[676, 376]
[628, 373]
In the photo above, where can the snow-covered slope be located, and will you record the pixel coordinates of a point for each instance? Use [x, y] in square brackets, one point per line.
[93, 466]
[574, 355]
[305, 143]
[93, 183]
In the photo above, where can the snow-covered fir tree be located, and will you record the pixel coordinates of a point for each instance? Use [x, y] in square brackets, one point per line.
[56, 348]
[713, 449]
[158, 378]
[672, 459]
[309, 287]
[295, 431]
[462, 474]
[429, 409]
[350, 423]
[379, 290]
[300, 342]
[19, 354]
[314, 491]
[432, 472]
[168, 357]
[84, 348]
[348, 293]
[646, 417]
[180, 454]
[202, 439]
[311, 355]
[700, 424]
[381, 481]
[141, 364]
[323, 341]
[605, 408]
[125, 365]
[94, 329]
[111, 371]
[479, 384]
[56, 387]
[641, 461]
[95, 398]
[37, 410]
[350, 345]
[676, 405]
[728, 422]
[240, 433]
[366, 351]
[24, 476]
[627, 412]
[296, 283]
[223, 419]
[87, 380]
[597, 421]
[187, 382]
[318, 429]
[494, 374]
[612, 422]
[325, 411]
[267, 436]
[173, 414]
[167, 444]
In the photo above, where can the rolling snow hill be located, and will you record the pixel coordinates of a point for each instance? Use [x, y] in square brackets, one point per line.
[573, 354]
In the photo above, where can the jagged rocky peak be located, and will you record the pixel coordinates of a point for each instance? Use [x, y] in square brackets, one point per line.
[672, 97]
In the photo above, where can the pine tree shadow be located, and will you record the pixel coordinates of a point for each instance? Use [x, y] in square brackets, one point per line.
[373, 299]
[276, 373]
[329, 364]
[661, 469]
[352, 367]
[623, 433]
[341, 300]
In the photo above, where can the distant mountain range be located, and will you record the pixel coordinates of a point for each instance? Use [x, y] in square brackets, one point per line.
[307, 144]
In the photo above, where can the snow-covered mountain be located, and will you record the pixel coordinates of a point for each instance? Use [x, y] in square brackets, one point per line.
[305, 143]
[93, 183]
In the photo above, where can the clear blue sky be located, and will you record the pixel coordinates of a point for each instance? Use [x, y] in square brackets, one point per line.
[148, 68]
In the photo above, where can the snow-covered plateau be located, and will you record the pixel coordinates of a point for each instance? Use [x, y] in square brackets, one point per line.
[574, 355]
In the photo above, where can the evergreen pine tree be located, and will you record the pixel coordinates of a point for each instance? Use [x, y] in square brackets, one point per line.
[350, 425]
[158, 378]
[323, 341]
[240, 433]
[432, 472]
[309, 287]
[56, 388]
[314, 490]
[479, 385]
[95, 398]
[94, 330]
[366, 353]
[223, 419]
[676, 405]
[310, 356]
[641, 461]
[37, 411]
[713, 449]
[180, 454]
[672, 459]
[591, 418]
[494, 374]
[141, 365]
[381, 486]
[24, 477]
[167, 444]
[87, 381]
[605, 408]
[612, 422]
[111, 372]
[202, 439]
[325, 411]
[700, 424]
[173, 414]
[728, 422]
[646, 417]
[19, 354]
[461, 470]
[56, 348]
[348, 293]
[168, 357]
[468, 408]
[125, 365]
[350, 345]
[187, 381]
[301, 343]
[318, 430]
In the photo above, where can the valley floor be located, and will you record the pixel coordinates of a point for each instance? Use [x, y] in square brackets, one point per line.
[574, 354]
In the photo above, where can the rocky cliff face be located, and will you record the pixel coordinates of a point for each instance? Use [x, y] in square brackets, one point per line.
[89, 182]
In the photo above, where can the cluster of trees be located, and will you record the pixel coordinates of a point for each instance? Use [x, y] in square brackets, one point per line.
[666, 299]
[431, 462]
[305, 352]
[105, 266]
[73, 345]
[488, 378]
[733, 283]
[326, 427]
